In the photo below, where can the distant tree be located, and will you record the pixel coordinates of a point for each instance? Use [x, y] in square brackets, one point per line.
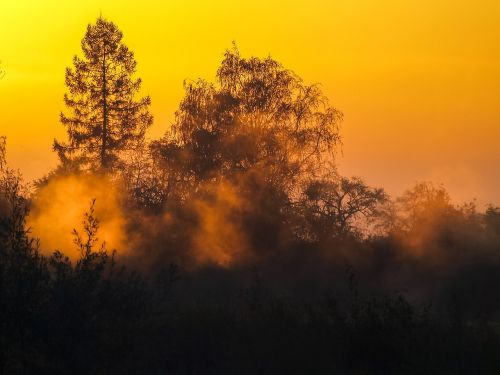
[492, 219]
[105, 117]
[426, 221]
[422, 205]
[333, 207]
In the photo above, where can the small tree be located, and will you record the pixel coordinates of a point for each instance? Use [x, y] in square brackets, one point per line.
[105, 117]
[340, 207]
[423, 205]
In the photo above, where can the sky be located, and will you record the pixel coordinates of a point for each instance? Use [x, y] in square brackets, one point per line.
[418, 81]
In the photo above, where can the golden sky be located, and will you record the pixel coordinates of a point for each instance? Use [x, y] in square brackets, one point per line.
[418, 81]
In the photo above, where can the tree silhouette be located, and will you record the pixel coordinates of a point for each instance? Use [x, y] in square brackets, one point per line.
[259, 120]
[3, 162]
[105, 117]
[332, 207]
[422, 205]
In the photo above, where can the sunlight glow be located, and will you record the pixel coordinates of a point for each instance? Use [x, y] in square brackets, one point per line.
[417, 80]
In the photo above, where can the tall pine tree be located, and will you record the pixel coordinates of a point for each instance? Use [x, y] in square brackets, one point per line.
[104, 119]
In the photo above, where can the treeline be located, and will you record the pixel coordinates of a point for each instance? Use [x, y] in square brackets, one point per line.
[248, 252]
[96, 316]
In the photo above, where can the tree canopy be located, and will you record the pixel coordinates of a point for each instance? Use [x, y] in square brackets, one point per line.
[104, 117]
[259, 119]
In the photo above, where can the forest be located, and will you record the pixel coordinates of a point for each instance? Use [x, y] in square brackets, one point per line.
[232, 244]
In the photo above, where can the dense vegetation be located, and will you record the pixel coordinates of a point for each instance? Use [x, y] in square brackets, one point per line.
[248, 252]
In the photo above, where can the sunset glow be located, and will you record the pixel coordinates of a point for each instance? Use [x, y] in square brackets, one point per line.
[417, 81]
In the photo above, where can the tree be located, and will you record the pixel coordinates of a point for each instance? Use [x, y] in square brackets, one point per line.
[105, 118]
[492, 220]
[333, 207]
[3, 161]
[423, 205]
[427, 223]
[260, 119]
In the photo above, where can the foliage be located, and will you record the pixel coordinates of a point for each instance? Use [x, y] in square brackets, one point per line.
[332, 208]
[259, 119]
[105, 118]
[23, 275]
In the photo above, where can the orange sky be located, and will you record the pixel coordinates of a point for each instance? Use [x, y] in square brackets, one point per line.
[418, 81]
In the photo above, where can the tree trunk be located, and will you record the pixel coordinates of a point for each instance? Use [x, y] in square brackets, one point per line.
[104, 134]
